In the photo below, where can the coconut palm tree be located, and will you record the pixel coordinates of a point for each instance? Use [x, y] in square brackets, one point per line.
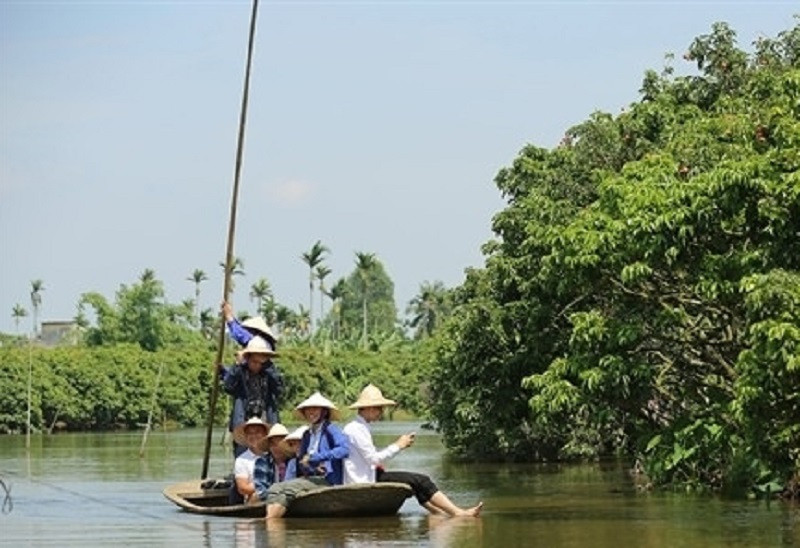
[37, 286]
[322, 273]
[197, 277]
[313, 258]
[18, 312]
[365, 262]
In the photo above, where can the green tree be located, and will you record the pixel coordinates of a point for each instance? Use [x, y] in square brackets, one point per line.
[640, 295]
[208, 323]
[198, 276]
[428, 309]
[37, 286]
[18, 312]
[322, 272]
[139, 315]
[313, 257]
[261, 292]
[236, 269]
[365, 263]
[367, 305]
[336, 294]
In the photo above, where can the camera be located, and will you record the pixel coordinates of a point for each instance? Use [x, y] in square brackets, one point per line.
[255, 408]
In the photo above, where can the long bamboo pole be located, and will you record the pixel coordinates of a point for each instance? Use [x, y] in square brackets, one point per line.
[149, 424]
[229, 252]
[30, 384]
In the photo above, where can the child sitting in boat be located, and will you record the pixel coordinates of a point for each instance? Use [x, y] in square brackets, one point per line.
[293, 441]
[248, 434]
[322, 448]
[364, 463]
[270, 466]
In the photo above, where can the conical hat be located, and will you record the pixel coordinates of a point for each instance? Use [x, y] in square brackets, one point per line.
[317, 400]
[239, 432]
[257, 345]
[297, 433]
[277, 430]
[257, 323]
[371, 396]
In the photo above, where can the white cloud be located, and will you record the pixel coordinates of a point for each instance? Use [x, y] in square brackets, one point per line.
[292, 193]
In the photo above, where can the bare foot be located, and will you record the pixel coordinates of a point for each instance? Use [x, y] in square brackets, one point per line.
[474, 512]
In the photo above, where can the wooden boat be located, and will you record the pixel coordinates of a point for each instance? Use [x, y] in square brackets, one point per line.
[354, 500]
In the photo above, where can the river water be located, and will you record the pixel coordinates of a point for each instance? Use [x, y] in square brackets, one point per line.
[95, 490]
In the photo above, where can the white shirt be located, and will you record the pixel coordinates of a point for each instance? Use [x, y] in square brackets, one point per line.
[359, 467]
[244, 465]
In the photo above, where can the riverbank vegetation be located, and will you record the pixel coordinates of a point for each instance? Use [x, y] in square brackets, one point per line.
[641, 298]
[140, 353]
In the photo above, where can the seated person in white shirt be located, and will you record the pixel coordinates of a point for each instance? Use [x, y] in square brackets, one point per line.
[364, 464]
[249, 434]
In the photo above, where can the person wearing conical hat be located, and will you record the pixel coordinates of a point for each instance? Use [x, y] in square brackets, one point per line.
[322, 449]
[255, 385]
[248, 434]
[270, 466]
[365, 462]
[292, 442]
[242, 332]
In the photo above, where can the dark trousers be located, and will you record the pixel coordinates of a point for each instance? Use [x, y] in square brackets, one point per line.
[421, 484]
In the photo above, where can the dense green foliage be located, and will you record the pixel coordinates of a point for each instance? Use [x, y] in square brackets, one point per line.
[109, 380]
[140, 315]
[84, 388]
[368, 295]
[643, 294]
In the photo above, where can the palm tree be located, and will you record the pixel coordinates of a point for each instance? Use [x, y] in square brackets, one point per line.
[303, 319]
[313, 258]
[365, 262]
[197, 277]
[186, 311]
[37, 286]
[284, 318]
[18, 312]
[237, 269]
[208, 321]
[336, 294]
[322, 273]
[428, 308]
[261, 291]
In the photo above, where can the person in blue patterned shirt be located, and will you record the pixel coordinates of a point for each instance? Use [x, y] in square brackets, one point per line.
[270, 467]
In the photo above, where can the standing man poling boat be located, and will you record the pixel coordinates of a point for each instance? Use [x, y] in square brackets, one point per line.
[255, 384]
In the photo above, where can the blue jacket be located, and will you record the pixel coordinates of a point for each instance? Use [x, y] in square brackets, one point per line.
[333, 449]
[233, 382]
[242, 336]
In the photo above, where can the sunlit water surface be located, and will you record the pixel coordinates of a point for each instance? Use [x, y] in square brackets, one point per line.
[95, 490]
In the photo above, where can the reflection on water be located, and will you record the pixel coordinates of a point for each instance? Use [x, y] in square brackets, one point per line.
[94, 490]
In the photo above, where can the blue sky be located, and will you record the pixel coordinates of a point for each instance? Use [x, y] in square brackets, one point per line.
[373, 126]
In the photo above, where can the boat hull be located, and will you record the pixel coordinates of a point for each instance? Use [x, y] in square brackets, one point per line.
[355, 500]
